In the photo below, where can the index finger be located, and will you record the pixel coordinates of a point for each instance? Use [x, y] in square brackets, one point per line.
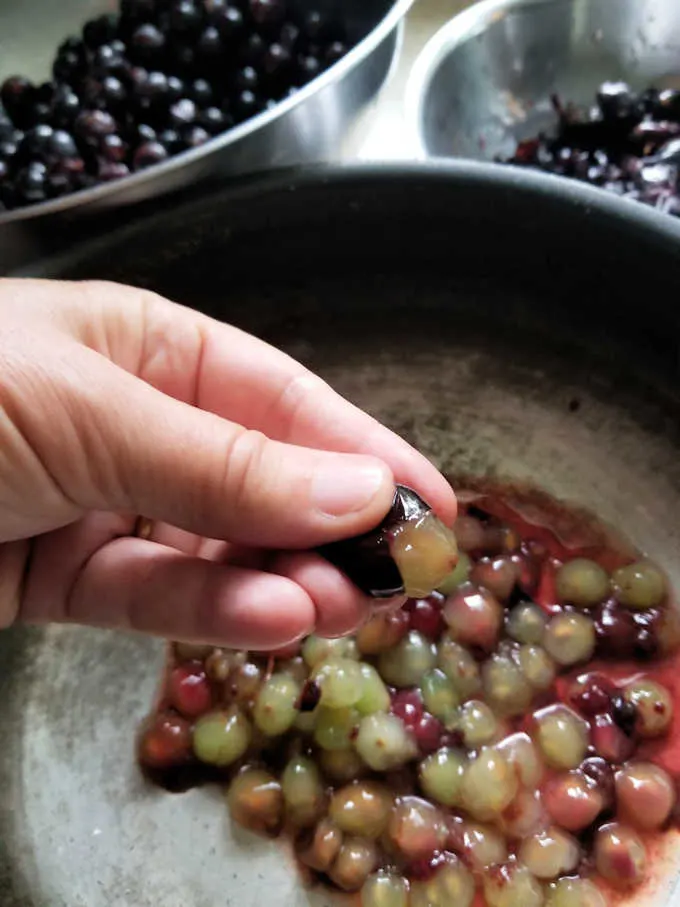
[226, 371]
[223, 370]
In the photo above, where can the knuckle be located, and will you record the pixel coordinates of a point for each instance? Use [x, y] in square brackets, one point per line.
[245, 470]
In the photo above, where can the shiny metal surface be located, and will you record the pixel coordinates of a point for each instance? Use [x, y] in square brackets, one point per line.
[311, 126]
[484, 81]
[401, 325]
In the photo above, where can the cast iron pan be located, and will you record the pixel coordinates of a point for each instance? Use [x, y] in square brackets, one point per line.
[506, 324]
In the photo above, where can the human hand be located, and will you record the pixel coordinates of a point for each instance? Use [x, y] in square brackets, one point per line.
[117, 403]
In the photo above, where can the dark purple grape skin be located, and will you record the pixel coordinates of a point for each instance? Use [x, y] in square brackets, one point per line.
[182, 113]
[172, 140]
[92, 125]
[267, 13]
[229, 22]
[308, 67]
[31, 183]
[277, 61]
[247, 79]
[147, 42]
[100, 31]
[194, 137]
[210, 46]
[366, 559]
[112, 170]
[200, 92]
[148, 154]
[185, 17]
[113, 149]
[213, 120]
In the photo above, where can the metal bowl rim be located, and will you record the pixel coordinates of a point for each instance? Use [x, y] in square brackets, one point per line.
[547, 188]
[393, 21]
[465, 25]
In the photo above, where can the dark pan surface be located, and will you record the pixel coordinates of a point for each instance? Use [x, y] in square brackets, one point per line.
[508, 325]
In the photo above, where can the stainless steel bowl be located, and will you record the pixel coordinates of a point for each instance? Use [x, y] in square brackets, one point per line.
[484, 81]
[310, 126]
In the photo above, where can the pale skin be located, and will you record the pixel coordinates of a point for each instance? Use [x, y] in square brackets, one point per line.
[116, 403]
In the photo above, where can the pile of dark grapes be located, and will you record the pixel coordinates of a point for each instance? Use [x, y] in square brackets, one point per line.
[627, 143]
[156, 79]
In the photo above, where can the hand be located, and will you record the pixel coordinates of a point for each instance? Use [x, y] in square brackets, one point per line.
[117, 403]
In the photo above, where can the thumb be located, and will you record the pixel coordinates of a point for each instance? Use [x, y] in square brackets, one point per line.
[140, 450]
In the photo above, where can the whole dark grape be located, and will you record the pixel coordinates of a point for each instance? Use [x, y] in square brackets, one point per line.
[183, 113]
[31, 183]
[314, 25]
[58, 184]
[100, 30]
[308, 67]
[177, 89]
[153, 88]
[112, 170]
[246, 104]
[247, 78]
[289, 36]
[185, 17]
[200, 92]
[194, 137]
[35, 143]
[229, 22]
[210, 45]
[113, 148]
[137, 10]
[18, 96]
[171, 139]
[148, 154]
[142, 133]
[253, 50]
[8, 147]
[213, 120]
[147, 42]
[277, 61]
[214, 8]
[106, 60]
[61, 144]
[70, 62]
[92, 125]
[334, 52]
[267, 13]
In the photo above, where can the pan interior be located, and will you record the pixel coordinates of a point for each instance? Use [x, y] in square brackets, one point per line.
[473, 373]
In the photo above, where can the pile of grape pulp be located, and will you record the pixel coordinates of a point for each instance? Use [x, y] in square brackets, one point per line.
[161, 77]
[508, 740]
[628, 143]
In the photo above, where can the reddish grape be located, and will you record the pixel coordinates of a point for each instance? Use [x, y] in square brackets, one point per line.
[189, 690]
[165, 742]
[428, 733]
[591, 694]
[408, 705]
[609, 741]
[425, 615]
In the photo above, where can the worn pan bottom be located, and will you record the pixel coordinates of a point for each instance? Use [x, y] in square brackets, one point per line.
[486, 372]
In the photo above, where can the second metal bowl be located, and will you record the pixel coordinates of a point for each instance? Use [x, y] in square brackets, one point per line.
[484, 81]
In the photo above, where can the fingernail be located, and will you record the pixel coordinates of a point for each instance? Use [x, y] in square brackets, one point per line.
[339, 487]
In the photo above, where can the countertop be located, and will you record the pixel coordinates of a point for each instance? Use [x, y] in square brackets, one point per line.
[381, 133]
